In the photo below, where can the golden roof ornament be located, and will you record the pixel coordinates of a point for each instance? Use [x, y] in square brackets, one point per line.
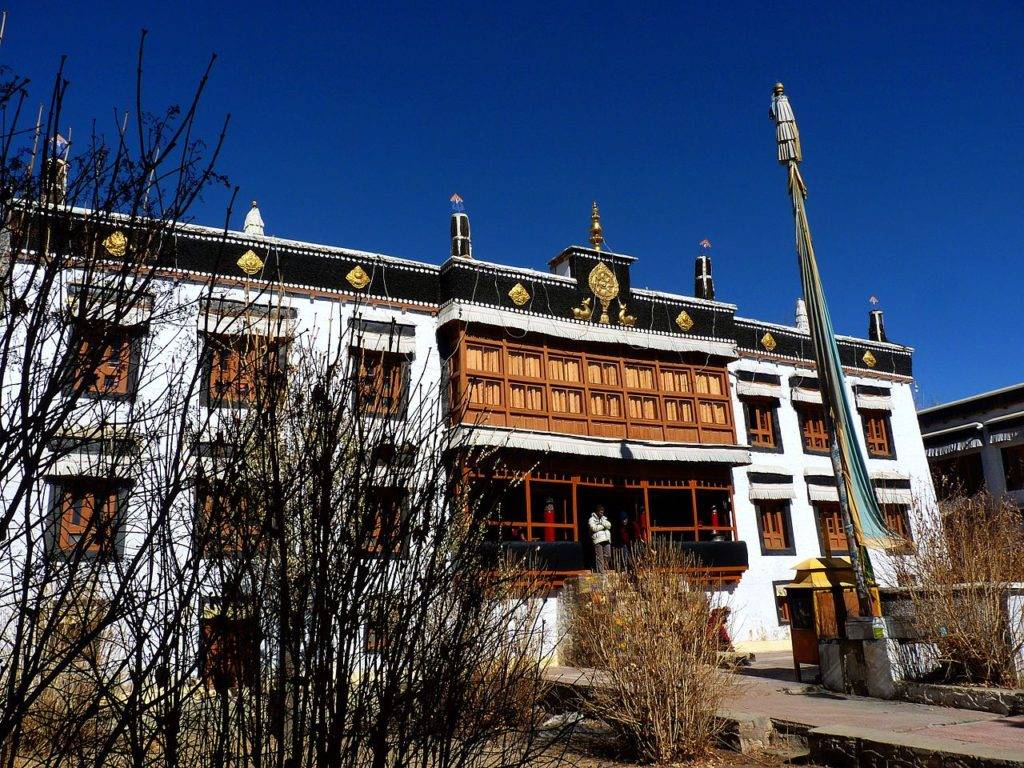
[250, 263]
[683, 321]
[596, 233]
[358, 278]
[605, 285]
[519, 294]
[116, 244]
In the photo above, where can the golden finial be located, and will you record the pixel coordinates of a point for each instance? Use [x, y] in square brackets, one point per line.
[596, 235]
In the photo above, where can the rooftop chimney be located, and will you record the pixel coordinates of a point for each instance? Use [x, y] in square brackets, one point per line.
[703, 282]
[253, 221]
[462, 243]
[802, 323]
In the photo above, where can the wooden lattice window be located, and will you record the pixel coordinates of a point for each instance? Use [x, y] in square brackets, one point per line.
[226, 524]
[833, 534]
[105, 355]
[897, 520]
[88, 516]
[761, 428]
[774, 526]
[380, 389]
[813, 430]
[242, 366]
[387, 522]
[877, 433]
[229, 646]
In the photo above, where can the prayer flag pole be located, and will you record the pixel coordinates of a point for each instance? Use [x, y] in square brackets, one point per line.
[858, 506]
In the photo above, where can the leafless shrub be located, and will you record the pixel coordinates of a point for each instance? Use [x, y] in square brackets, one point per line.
[653, 639]
[957, 575]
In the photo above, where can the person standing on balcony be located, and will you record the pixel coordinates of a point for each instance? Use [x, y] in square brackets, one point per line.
[601, 534]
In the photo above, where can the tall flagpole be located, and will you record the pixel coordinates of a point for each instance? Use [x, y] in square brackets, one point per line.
[858, 506]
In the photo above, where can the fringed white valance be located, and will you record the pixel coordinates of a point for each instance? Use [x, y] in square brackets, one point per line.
[822, 493]
[874, 402]
[760, 491]
[403, 343]
[801, 395]
[958, 446]
[888, 474]
[1011, 436]
[894, 496]
[582, 332]
[242, 325]
[604, 447]
[88, 464]
[758, 389]
[108, 311]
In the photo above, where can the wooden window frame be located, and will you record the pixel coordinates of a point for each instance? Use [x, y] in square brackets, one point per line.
[109, 545]
[587, 422]
[271, 370]
[387, 539]
[809, 416]
[235, 525]
[781, 604]
[244, 664]
[751, 405]
[389, 387]
[905, 535]
[785, 512]
[129, 342]
[823, 537]
[877, 427]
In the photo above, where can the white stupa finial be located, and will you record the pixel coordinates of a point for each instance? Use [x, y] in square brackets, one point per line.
[253, 221]
[802, 323]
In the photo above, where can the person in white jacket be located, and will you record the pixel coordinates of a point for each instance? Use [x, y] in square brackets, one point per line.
[601, 534]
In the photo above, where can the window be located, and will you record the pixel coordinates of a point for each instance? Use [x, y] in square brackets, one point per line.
[87, 517]
[958, 474]
[781, 604]
[831, 533]
[877, 434]
[898, 522]
[762, 430]
[229, 644]
[106, 355]
[381, 383]
[1013, 467]
[225, 526]
[812, 428]
[387, 535]
[242, 367]
[774, 526]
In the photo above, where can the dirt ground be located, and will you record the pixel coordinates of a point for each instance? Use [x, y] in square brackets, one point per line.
[593, 745]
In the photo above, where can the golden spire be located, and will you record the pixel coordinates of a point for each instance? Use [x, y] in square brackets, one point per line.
[596, 235]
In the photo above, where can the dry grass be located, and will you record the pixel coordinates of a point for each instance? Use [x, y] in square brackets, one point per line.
[964, 559]
[651, 633]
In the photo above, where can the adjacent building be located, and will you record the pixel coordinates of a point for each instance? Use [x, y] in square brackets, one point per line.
[977, 442]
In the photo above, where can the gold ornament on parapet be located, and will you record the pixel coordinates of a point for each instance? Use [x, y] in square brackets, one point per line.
[358, 278]
[768, 342]
[116, 244]
[250, 263]
[605, 285]
[624, 317]
[869, 359]
[584, 311]
[683, 321]
[519, 294]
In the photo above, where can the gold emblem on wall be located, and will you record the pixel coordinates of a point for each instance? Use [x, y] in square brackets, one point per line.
[519, 294]
[358, 278]
[684, 321]
[250, 263]
[768, 342]
[584, 311]
[605, 285]
[869, 359]
[116, 243]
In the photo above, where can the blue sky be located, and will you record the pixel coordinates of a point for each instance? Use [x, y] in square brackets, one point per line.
[352, 124]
